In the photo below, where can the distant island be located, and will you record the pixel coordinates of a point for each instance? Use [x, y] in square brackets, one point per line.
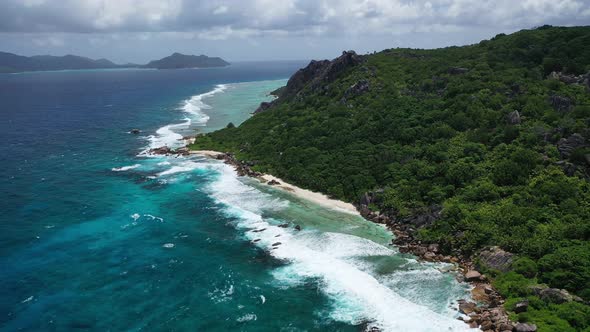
[13, 63]
[178, 60]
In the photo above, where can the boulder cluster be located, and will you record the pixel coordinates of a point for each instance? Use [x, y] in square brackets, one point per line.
[488, 313]
[243, 168]
[571, 79]
[167, 151]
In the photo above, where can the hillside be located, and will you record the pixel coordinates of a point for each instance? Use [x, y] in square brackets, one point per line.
[464, 147]
[177, 60]
[12, 63]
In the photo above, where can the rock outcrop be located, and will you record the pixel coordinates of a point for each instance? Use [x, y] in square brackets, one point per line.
[313, 78]
[566, 146]
[458, 70]
[521, 306]
[264, 106]
[571, 79]
[555, 295]
[514, 118]
[524, 327]
[560, 103]
[473, 275]
[494, 258]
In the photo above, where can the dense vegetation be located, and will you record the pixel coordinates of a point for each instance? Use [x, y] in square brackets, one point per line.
[438, 128]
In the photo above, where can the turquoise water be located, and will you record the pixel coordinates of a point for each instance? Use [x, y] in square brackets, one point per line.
[98, 236]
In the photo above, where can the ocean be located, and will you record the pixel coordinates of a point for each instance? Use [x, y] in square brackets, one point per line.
[95, 235]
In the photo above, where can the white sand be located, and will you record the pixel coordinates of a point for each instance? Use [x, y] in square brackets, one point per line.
[207, 153]
[315, 197]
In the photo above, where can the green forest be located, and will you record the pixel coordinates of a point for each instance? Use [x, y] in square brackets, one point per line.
[496, 134]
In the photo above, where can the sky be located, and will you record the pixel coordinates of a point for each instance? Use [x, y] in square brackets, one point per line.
[247, 30]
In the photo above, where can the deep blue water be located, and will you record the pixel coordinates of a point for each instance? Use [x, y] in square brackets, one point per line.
[96, 237]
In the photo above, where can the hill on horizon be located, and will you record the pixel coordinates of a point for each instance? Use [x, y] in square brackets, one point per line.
[13, 63]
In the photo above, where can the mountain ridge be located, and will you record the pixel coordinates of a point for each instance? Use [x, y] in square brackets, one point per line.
[13, 63]
[179, 60]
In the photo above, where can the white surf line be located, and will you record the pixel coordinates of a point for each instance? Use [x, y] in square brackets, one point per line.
[357, 295]
[312, 196]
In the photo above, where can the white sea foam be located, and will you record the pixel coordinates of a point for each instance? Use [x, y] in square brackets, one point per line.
[194, 106]
[30, 298]
[331, 258]
[181, 167]
[168, 245]
[246, 318]
[166, 136]
[124, 168]
[152, 217]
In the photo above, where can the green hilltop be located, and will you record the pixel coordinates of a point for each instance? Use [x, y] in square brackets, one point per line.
[490, 142]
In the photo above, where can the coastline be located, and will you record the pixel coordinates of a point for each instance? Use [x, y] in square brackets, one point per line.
[312, 196]
[485, 310]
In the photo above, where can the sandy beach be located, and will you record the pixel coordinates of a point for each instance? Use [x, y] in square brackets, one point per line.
[315, 197]
[207, 153]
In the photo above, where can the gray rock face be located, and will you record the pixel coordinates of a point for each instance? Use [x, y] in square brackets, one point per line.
[524, 327]
[496, 259]
[318, 73]
[560, 103]
[263, 107]
[521, 306]
[514, 118]
[423, 219]
[566, 146]
[358, 88]
[556, 295]
[458, 70]
[568, 168]
[315, 76]
[571, 79]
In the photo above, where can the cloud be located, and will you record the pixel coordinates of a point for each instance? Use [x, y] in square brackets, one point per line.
[49, 41]
[241, 18]
[141, 30]
[220, 10]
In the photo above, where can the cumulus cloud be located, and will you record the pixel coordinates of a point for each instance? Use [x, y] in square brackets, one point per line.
[140, 30]
[242, 18]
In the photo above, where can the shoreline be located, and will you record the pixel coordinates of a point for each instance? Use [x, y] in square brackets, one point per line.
[312, 196]
[484, 310]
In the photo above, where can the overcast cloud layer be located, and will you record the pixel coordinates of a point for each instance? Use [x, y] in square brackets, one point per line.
[139, 30]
